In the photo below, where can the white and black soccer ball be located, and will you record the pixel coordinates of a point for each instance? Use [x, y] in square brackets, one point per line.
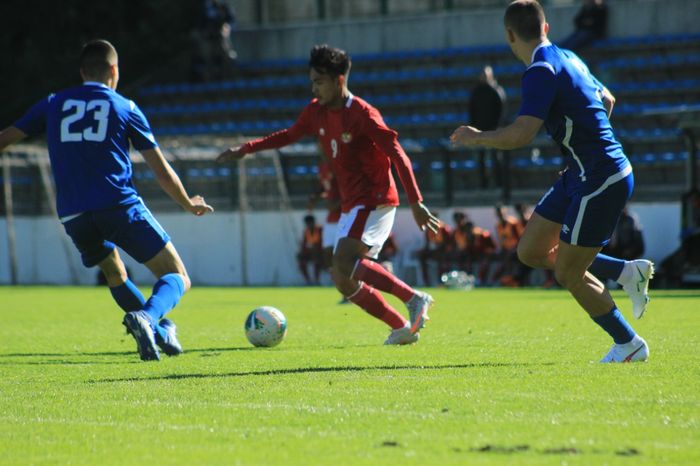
[265, 326]
[457, 280]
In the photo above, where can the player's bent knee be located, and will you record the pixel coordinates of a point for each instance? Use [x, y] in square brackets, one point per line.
[528, 257]
[344, 284]
[567, 277]
[343, 264]
[186, 281]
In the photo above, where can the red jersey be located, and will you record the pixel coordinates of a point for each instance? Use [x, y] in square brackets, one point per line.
[360, 148]
[330, 191]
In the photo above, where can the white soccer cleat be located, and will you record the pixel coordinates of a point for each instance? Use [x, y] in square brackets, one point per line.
[638, 286]
[418, 310]
[402, 336]
[634, 351]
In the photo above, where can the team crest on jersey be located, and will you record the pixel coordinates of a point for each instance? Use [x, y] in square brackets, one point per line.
[346, 137]
[322, 132]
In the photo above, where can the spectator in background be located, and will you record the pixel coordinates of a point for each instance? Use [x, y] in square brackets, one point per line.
[437, 248]
[626, 241]
[388, 253]
[486, 108]
[460, 252]
[509, 232]
[328, 191]
[311, 250]
[474, 246]
[687, 257]
[590, 25]
[523, 272]
[213, 55]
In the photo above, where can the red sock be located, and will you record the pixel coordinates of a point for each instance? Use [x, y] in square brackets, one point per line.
[375, 305]
[380, 278]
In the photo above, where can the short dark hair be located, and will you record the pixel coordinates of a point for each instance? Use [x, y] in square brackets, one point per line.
[97, 57]
[329, 60]
[525, 18]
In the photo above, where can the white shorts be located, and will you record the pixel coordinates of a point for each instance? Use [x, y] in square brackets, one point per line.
[328, 235]
[371, 225]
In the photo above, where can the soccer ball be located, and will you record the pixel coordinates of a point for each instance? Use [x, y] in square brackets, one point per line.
[265, 326]
[457, 280]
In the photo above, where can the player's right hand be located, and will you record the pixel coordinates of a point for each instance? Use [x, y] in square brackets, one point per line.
[230, 154]
[424, 218]
[198, 206]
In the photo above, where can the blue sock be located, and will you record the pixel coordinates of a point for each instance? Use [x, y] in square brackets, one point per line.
[166, 293]
[128, 297]
[606, 267]
[616, 326]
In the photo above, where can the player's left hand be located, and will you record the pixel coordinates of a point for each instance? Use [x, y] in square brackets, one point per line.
[424, 218]
[232, 153]
[199, 207]
[465, 136]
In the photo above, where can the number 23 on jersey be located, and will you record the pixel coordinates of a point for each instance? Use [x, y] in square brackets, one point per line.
[97, 111]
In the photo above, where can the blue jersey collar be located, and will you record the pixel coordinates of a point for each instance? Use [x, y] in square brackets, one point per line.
[544, 43]
[95, 83]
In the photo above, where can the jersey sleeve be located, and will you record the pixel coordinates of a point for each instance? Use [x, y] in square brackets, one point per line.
[301, 127]
[34, 121]
[387, 140]
[140, 132]
[538, 91]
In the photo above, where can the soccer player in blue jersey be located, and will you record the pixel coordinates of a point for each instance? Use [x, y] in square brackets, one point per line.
[89, 129]
[577, 216]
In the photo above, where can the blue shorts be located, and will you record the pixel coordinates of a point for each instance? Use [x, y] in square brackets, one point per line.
[587, 211]
[132, 227]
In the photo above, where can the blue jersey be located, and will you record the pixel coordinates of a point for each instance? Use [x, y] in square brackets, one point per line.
[559, 89]
[88, 131]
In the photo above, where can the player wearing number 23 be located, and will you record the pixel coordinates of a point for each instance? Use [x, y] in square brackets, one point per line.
[89, 128]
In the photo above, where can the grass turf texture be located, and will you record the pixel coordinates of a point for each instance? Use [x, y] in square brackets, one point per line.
[498, 377]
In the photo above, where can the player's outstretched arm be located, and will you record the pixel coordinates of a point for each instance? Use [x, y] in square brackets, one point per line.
[9, 136]
[518, 134]
[424, 218]
[171, 184]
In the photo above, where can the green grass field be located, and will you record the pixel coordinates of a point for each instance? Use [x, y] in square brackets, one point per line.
[498, 377]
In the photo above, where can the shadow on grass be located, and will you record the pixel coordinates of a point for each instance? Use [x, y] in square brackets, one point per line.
[311, 370]
[64, 362]
[200, 351]
[113, 353]
[82, 358]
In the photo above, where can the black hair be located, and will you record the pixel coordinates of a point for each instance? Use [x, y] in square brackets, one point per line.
[525, 18]
[329, 60]
[97, 57]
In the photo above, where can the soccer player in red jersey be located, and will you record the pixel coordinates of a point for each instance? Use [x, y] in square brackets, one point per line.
[361, 150]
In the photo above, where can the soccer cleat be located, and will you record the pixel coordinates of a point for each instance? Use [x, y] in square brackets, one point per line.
[139, 326]
[634, 351]
[402, 336]
[170, 345]
[418, 310]
[638, 287]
